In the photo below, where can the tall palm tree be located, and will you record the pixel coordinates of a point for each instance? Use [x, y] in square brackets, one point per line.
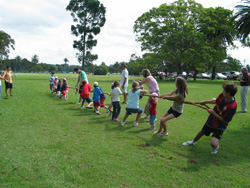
[243, 19]
[65, 61]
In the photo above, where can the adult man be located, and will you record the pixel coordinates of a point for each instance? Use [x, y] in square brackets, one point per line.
[82, 76]
[1, 86]
[8, 81]
[124, 82]
[244, 82]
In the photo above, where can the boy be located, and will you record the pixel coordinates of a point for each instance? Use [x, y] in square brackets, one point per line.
[96, 97]
[219, 117]
[51, 81]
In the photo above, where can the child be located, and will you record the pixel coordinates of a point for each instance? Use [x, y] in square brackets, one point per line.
[109, 110]
[58, 90]
[133, 103]
[80, 91]
[116, 100]
[152, 109]
[96, 97]
[219, 117]
[54, 87]
[85, 94]
[178, 96]
[51, 81]
[64, 89]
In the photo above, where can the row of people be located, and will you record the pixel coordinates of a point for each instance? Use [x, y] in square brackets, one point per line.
[216, 123]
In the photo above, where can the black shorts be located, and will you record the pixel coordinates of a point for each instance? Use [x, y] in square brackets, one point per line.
[207, 130]
[176, 114]
[80, 89]
[88, 100]
[8, 85]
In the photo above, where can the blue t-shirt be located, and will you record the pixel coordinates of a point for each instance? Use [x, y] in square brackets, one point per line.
[97, 93]
[133, 100]
[102, 95]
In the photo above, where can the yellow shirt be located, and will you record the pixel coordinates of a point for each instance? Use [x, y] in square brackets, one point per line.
[7, 76]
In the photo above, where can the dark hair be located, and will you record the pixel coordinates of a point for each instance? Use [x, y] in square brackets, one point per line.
[52, 73]
[59, 80]
[7, 67]
[76, 69]
[181, 85]
[123, 65]
[83, 82]
[230, 87]
[115, 84]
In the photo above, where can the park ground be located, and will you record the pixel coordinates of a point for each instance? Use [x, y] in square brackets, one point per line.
[48, 142]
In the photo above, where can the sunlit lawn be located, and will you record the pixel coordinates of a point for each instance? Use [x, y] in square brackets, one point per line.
[48, 142]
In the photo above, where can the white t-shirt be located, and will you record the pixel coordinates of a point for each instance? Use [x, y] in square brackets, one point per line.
[124, 75]
[52, 78]
[115, 94]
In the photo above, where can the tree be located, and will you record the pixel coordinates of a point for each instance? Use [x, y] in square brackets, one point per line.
[6, 42]
[100, 70]
[243, 21]
[35, 59]
[65, 61]
[176, 34]
[89, 17]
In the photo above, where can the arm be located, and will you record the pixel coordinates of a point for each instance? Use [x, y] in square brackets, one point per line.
[213, 101]
[143, 81]
[172, 98]
[168, 94]
[143, 91]
[217, 116]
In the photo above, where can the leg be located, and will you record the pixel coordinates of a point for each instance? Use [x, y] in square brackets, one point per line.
[163, 122]
[198, 136]
[125, 98]
[160, 128]
[114, 110]
[11, 92]
[6, 92]
[125, 117]
[118, 110]
[214, 142]
[138, 117]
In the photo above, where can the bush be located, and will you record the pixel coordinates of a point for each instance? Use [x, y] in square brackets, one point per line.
[100, 70]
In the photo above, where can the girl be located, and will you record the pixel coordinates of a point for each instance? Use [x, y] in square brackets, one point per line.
[85, 94]
[54, 87]
[133, 103]
[152, 109]
[116, 100]
[153, 87]
[178, 96]
[58, 90]
[65, 89]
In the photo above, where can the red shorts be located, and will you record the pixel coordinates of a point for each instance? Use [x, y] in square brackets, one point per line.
[64, 92]
[96, 104]
[102, 102]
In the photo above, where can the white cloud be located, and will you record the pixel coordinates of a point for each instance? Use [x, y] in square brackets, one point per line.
[42, 27]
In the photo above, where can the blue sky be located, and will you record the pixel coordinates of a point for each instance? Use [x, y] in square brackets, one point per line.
[42, 27]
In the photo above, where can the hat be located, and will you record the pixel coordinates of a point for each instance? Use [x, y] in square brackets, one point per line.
[95, 84]
[56, 77]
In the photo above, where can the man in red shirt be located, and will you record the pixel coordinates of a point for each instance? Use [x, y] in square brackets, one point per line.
[219, 117]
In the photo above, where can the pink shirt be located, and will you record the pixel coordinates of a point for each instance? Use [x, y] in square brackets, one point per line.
[152, 84]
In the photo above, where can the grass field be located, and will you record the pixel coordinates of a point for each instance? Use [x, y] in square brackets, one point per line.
[48, 142]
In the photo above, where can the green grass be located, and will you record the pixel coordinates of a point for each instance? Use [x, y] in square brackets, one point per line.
[47, 142]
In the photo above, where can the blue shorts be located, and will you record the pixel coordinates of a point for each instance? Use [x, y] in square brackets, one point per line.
[134, 110]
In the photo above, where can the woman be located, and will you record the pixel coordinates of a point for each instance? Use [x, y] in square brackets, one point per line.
[152, 84]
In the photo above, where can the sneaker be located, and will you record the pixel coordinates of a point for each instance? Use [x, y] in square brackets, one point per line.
[215, 150]
[135, 124]
[188, 143]
[145, 117]
[122, 123]
[82, 107]
[89, 107]
[78, 102]
[109, 115]
[107, 111]
[98, 113]
[76, 93]
[116, 119]
[243, 111]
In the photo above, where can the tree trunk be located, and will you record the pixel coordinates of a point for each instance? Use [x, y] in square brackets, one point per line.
[213, 73]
